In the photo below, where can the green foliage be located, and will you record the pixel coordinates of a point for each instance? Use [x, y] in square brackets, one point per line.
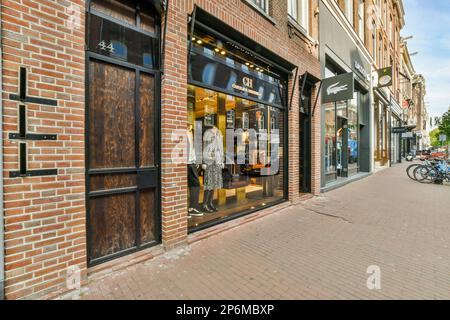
[434, 136]
[444, 126]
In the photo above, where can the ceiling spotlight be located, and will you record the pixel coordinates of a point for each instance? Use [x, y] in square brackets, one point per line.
[222, 52]
[257, 69]
[193, 39]
[216, 50]
[199, 41]
[251, 66]
[247, 63]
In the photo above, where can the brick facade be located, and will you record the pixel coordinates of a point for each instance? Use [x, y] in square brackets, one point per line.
[45, 216]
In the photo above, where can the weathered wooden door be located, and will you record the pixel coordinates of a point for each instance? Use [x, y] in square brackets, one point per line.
[122, 141]
[122, 170]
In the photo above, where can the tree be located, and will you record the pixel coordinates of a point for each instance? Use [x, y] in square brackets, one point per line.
[444, 125]
[434, 137]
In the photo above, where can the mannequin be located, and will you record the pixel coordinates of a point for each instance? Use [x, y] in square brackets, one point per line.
[213, 158]
[193, 179]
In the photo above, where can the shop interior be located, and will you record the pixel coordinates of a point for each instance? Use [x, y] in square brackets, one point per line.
[249, 180]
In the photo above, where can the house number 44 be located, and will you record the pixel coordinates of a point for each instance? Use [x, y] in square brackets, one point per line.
[103, 45]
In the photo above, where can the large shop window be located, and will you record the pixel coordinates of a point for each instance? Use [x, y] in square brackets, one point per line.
[342, 138]
[236, 133]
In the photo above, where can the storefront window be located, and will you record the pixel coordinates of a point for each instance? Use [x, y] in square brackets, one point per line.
[353, 135]
[236, 127]
[237, 164]
[330, 141]
[342, 134]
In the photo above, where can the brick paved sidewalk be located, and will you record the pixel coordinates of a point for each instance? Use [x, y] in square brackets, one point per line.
[318, 250]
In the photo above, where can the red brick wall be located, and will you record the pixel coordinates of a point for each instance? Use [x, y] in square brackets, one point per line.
[44, 216]
[174, 117]
[274, 36]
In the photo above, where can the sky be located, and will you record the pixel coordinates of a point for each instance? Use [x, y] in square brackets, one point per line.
[429, 22]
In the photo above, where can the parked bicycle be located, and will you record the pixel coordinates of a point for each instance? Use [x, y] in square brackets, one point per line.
[432, 172]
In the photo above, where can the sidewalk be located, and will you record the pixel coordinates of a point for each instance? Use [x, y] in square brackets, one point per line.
[318, 250]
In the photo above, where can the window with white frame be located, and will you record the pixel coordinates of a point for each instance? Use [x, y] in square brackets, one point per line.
[349, 10]
[361, 19]
[261, 4]
[390, 28]
[299, 11]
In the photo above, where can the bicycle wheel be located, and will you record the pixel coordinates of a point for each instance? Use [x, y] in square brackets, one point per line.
[424, 174]
[410, 171]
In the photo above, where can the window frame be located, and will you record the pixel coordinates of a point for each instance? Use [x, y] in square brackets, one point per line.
[265, 2]
[303, 13]
[361, 20]
[349, 14]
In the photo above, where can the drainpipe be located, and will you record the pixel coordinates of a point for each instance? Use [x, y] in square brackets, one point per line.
[2, 248]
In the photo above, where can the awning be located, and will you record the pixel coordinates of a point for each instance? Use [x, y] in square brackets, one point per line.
[211, 24]
[309, 78]
[395, 107]
[382, 96]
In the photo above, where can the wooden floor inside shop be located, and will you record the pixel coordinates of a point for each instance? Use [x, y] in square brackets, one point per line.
[234, 201]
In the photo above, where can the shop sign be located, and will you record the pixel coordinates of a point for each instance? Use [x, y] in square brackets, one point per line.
[384, 77]
[407, 135]
[362, 71]
[247, 87]
[399, 130]
[338, 88]
[231, 77]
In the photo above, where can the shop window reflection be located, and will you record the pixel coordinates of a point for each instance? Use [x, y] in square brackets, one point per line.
[251, 174]
[120, 50]
[353, 135]
[330, 142]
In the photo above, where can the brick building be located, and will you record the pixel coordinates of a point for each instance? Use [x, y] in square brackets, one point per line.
[362, 37]
[111, 109]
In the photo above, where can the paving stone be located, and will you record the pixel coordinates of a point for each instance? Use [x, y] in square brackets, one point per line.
[319, 249]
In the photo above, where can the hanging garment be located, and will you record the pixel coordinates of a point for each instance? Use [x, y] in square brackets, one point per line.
[213, 147]
[213, 157]
[213, 177]
[190, 147]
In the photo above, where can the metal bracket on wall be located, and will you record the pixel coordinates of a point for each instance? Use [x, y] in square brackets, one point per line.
[23, 172]
[23, 135]
[22, 96]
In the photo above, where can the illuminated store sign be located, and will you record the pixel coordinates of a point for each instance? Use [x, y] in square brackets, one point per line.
[234, 78]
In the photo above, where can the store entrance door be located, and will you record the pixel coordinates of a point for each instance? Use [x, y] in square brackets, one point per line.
[342, 147]
[122, 175]
[122, 136]
[305, 142]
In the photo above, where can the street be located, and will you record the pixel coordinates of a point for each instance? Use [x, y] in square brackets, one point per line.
[321, 249]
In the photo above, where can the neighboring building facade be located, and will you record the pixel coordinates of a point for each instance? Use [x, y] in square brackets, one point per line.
[347, 124]
[421, 114]
[369, 40]
[415, 115]
[228, 128]
[406, 87]
[387, 54]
